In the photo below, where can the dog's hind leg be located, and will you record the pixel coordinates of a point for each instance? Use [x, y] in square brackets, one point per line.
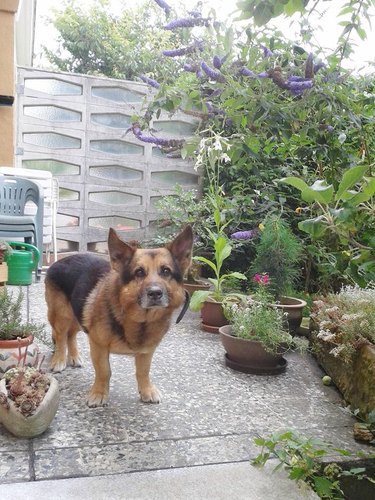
[63, 323]
[148, 392]
[74, 358]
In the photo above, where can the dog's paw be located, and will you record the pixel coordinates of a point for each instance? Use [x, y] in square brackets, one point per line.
[76, 361]
[150, 395]
[58, 365]
[95, 399]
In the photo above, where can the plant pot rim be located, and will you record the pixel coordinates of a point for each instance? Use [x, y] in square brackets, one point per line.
[224, 330]
[299, 302]
[14, 343]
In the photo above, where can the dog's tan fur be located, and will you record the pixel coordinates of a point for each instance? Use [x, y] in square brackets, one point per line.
[136, 297]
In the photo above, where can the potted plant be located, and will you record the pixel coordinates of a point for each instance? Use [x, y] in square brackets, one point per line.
[278, 253]
[209, 302]
[257, 337]
[17, 345]
[29, 400]
[342, 334]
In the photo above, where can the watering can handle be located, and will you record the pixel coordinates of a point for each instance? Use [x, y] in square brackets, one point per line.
[27, 246]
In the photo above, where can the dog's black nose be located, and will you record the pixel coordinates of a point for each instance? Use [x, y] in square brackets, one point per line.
[154, 293]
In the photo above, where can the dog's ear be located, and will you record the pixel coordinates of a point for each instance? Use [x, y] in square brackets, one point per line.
[120, 252]
[182, 248]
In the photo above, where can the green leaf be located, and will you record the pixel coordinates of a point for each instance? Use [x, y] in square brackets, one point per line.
[369, 186]
[314, 227]
[295, 182]
[323, 486]
[349, 179]
[209, 263]
[262, 14]
[323, 191]
[198, 298]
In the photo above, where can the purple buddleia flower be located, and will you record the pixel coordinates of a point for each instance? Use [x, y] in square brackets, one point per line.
[298, 79]
[214, 75]
[318, 66]
[195, 13]
[164, 6]
[297, 88]
[200, 74]
[150, 81]
[186, 23]
[191, 68]
[213, 110]
[245, 235]
[218, 61]
[247, 72]
[266, 51]
[264, 74]
[171, 143]
[183, 50]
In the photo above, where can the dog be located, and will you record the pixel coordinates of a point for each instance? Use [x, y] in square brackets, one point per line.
[125, 305]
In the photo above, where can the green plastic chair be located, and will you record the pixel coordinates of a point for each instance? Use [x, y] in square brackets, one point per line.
[15, 193]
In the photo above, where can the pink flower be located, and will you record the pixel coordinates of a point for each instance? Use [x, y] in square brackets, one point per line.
[263, 279]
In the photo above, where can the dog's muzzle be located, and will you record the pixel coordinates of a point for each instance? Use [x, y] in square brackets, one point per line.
[154, 296]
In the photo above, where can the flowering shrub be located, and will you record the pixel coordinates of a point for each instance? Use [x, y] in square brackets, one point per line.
[345, 321]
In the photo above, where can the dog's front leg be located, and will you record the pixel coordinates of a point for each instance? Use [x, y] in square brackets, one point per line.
[98, 395]
[147, 391]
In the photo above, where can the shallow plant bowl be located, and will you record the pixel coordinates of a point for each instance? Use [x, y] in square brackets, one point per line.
[35, 424]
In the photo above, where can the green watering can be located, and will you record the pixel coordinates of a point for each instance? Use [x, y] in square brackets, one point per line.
[21, 263]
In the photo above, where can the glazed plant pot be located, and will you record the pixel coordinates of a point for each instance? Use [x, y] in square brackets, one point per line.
[18, 352]
[249, 356]
[293, 307]
[35, 424]
[212, 315]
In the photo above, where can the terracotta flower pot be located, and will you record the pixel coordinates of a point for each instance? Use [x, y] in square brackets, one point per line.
[212, 315]
[249, 356]
[294, 309]
[38, 422]
[18, 352]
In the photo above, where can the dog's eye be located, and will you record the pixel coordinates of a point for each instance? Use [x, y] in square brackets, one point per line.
[140, 272]
[165, 271]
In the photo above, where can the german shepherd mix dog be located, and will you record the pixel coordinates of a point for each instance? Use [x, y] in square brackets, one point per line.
[124, 306]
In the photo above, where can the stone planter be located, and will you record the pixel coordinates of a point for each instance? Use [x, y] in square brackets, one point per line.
[249, 356]
[355, 381]
[19, 352]
[35, 424]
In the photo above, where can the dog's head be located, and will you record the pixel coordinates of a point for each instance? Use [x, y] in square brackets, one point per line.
[152, 277]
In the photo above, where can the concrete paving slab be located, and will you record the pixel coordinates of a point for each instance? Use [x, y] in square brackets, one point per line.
[213, 482]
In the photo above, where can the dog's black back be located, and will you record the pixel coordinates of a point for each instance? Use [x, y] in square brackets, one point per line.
[76, 276]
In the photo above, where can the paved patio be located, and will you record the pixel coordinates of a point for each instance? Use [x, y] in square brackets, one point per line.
[209, 414]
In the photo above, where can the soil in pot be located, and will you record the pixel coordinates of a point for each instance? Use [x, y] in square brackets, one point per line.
[249, 356]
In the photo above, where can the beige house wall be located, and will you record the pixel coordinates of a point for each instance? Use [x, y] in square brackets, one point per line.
[8, 9]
